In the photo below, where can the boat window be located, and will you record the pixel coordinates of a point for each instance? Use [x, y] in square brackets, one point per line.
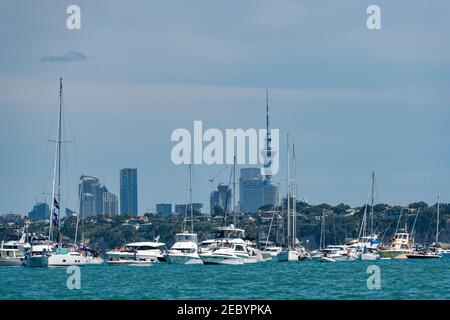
[239, 248]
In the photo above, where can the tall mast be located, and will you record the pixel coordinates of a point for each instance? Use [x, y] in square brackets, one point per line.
[371, 207]
[288, 196]
[294, 198]
[56, 172]
[234, 190]
[190, 198]
[268, 160]
[59, 154]
[437, 218]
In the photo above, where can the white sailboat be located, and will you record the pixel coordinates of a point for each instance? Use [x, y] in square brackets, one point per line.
[293, 251]
[367, 245]
[185, 248]
[433, 251]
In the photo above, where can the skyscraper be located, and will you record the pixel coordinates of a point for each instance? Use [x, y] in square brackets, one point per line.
[220, 200]
[92, 198]
[87, 189]
[40, 211]
[128, 192]
[250, 190]
[164, 208]
[110, 204]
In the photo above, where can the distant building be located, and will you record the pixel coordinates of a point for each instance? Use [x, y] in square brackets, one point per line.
[92, 198]
[255, 191]
[220, 200]
[110, 204]
[128, 192]
[183, 208]
[88, 190]
[40, 211]
[164, 208]
[250, 190]
[70, 213]
[270, 193]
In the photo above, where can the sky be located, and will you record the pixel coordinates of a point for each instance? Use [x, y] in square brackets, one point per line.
[354, 100]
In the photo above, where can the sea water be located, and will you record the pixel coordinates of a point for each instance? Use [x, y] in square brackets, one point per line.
[399, 279]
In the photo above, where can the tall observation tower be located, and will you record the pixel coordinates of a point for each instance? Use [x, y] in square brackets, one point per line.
[268, 150]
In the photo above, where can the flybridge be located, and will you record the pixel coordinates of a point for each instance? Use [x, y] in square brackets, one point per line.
[249, 146]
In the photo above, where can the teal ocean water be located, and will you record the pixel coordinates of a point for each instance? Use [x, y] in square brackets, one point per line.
[407, 279]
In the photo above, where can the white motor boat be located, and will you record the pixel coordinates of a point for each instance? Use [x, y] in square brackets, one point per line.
[184, 250]
[271, 252]
[12, 252]
[369, 255]
[37, 255]
[339, 253]
[132, 261]
[91, 260]
[229, 247]
[143, 250]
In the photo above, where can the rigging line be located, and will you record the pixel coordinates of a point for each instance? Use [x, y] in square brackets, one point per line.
[46, 175]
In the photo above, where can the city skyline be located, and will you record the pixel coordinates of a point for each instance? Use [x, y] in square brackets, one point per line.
[354, 101]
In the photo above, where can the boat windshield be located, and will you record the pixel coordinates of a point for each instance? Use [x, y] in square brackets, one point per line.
[186, 237]
[229, 234]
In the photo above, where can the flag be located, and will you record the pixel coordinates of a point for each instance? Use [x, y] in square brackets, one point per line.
[55, 214]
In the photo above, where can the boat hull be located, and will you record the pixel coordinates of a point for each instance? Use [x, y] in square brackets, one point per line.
[36, 262]
[422, 256]
[394, 254]
[221, 259]
[64, 260]
[288, 256]
[368, 256]
[10, 262]
[183, 258]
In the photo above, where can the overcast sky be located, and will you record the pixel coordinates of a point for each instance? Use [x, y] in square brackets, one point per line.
[354, 100]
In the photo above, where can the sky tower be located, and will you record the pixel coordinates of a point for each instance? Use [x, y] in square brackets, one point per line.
[268, 150]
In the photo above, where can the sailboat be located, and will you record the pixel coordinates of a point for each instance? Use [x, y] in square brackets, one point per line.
[293, 250]
[62, 255]
[433, 252]
[367, 245]
[185, 248]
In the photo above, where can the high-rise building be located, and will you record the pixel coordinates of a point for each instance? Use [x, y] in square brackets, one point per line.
[87, 189]
[164, 208]
[250, 190]
[70, 213]
[255, 191]
[92, 198]
[40, 211]
[220, 200]
[128, 192]
[183, 208]
[110, 204]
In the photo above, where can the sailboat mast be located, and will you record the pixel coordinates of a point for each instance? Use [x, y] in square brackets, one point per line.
[57, 165]
[294, 198]
[190, 198]
[288, 196]
[437, 216]
[371, 206]
[59, 154]
[234, 190]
